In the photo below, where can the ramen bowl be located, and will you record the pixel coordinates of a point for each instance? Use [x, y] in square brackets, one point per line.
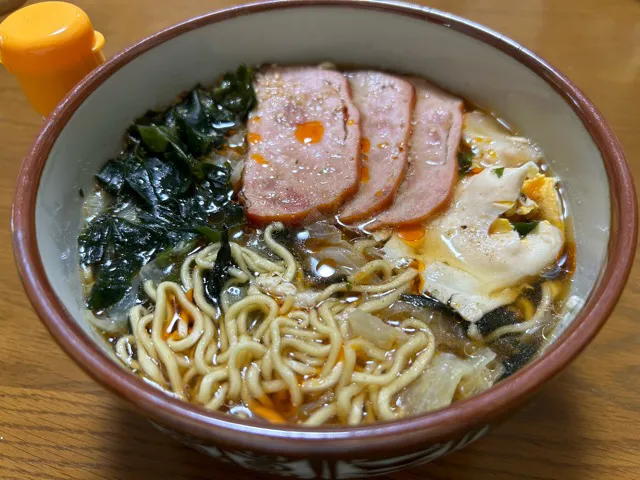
[463, 57]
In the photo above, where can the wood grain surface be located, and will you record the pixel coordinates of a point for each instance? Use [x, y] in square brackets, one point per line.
[55, 423]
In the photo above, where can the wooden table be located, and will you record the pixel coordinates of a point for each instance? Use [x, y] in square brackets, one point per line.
[56, 423]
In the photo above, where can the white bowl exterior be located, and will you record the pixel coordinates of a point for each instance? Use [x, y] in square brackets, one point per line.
[345, 35]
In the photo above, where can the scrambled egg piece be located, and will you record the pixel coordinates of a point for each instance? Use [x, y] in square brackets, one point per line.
[542, 190]
[473, 261]
[501, 225]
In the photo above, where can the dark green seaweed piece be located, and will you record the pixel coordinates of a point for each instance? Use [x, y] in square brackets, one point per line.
[215, 189]
[175, 255]
[197, 123]
[112, 282]
[159, 183]
[214, 279]
[165, 139]
[209, 233]
[524, 228]
[465, 160]
[425, 301]
[497, 318]
[155, 181]
[231, 214]
[122, 247]
[235, 91]
[516, 362]
[287, 239]
[158, 137]
[94, 240]
[534, 293]
[112, 175]
[136, 240]
[513, 353]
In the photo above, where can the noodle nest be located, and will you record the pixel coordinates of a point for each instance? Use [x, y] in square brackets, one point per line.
[270, 354]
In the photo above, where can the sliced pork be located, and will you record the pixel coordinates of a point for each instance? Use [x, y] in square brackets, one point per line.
[304, 138]
[433, 167]
[386, 104]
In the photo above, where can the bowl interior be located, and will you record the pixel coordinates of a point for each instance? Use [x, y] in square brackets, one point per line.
[313, 34]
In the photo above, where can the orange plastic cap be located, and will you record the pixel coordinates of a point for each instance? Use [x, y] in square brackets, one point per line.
[49, 46]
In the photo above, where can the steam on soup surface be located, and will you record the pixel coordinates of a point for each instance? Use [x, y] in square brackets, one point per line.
[314, 246]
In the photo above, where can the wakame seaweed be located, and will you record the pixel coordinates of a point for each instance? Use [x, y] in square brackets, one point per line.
[465, 160]
[163, 192]
[513, 353]
[524, 228]
[214, 279]
[497, 318]
[427, 302]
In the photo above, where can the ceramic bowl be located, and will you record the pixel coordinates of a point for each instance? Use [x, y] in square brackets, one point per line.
[464, 57]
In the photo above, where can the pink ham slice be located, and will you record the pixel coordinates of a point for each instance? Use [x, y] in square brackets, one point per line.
[385, 103]
[304, 138]
[433, 164]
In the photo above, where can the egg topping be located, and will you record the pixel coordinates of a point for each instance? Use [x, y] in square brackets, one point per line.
[471, 266]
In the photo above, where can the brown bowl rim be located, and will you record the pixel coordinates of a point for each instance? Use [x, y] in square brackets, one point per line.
[330, 442]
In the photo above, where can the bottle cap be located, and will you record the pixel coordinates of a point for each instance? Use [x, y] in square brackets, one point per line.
[49, 47]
